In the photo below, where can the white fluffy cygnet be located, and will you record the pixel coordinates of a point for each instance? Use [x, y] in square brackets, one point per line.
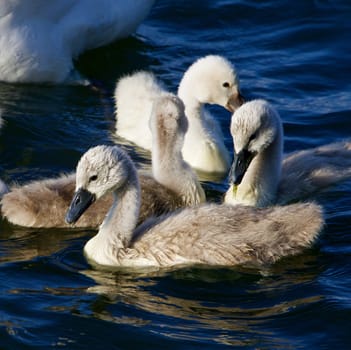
[209, 80]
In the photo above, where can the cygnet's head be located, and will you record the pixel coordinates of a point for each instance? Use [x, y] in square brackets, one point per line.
[254, 127]
[101, 169]
[168, 123]
[212, 79]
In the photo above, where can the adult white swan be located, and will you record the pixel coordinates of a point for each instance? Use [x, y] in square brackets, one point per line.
[211, 79]
[43, 203]
[206, 234]
[39, 39]
[261, 177]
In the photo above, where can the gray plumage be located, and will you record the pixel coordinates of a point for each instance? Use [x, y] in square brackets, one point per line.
[43, 203]
[260, 176]
[308, 171]
[206, 234]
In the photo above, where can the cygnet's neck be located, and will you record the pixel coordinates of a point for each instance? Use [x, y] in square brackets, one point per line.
[193, 107]
[116, 231]
[203, 146]
[260, 183]
[170, 170]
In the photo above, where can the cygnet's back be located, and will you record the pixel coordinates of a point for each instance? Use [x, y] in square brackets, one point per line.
[314, 169]
[43, 203]
[134, 96]
[227, 235]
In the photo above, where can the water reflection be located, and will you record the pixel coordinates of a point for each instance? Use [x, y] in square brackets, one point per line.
[25, 244]
[218, 305]
[232, 306]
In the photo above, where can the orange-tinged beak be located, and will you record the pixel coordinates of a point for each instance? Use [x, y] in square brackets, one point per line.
[234, 102]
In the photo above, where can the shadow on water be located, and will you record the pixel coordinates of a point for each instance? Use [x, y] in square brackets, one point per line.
[105, 65]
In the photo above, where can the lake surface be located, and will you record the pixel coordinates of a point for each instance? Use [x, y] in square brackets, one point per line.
[295, 54]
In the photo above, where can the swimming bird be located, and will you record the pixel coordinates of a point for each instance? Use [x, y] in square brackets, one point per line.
[211, 79]
[40, 39]
[261, 177]
[43, 203]
[206, 234]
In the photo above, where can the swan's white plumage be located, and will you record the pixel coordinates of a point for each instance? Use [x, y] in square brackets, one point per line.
[39, 39]
[256, 129]
[202, 83]
[207, 234]
[134, 98]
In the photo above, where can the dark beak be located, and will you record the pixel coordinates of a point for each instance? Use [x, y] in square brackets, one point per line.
[81, 201]
[234, 102]
[240, 164]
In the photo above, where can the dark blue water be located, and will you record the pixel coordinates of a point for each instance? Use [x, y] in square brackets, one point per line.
[297, 55]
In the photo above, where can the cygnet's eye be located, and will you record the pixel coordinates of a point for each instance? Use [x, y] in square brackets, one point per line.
[252, 137]
[226, 84]
[93, 178]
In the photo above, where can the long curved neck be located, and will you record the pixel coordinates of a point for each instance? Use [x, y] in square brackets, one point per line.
[117, 229]
[170, 170]
[193, 107]
[123, 215]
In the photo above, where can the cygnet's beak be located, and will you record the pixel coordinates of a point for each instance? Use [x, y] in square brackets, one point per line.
[235, 101]
[81, 201]
[240, 165]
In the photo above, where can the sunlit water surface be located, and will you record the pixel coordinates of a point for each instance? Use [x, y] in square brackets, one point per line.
[295, 54]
